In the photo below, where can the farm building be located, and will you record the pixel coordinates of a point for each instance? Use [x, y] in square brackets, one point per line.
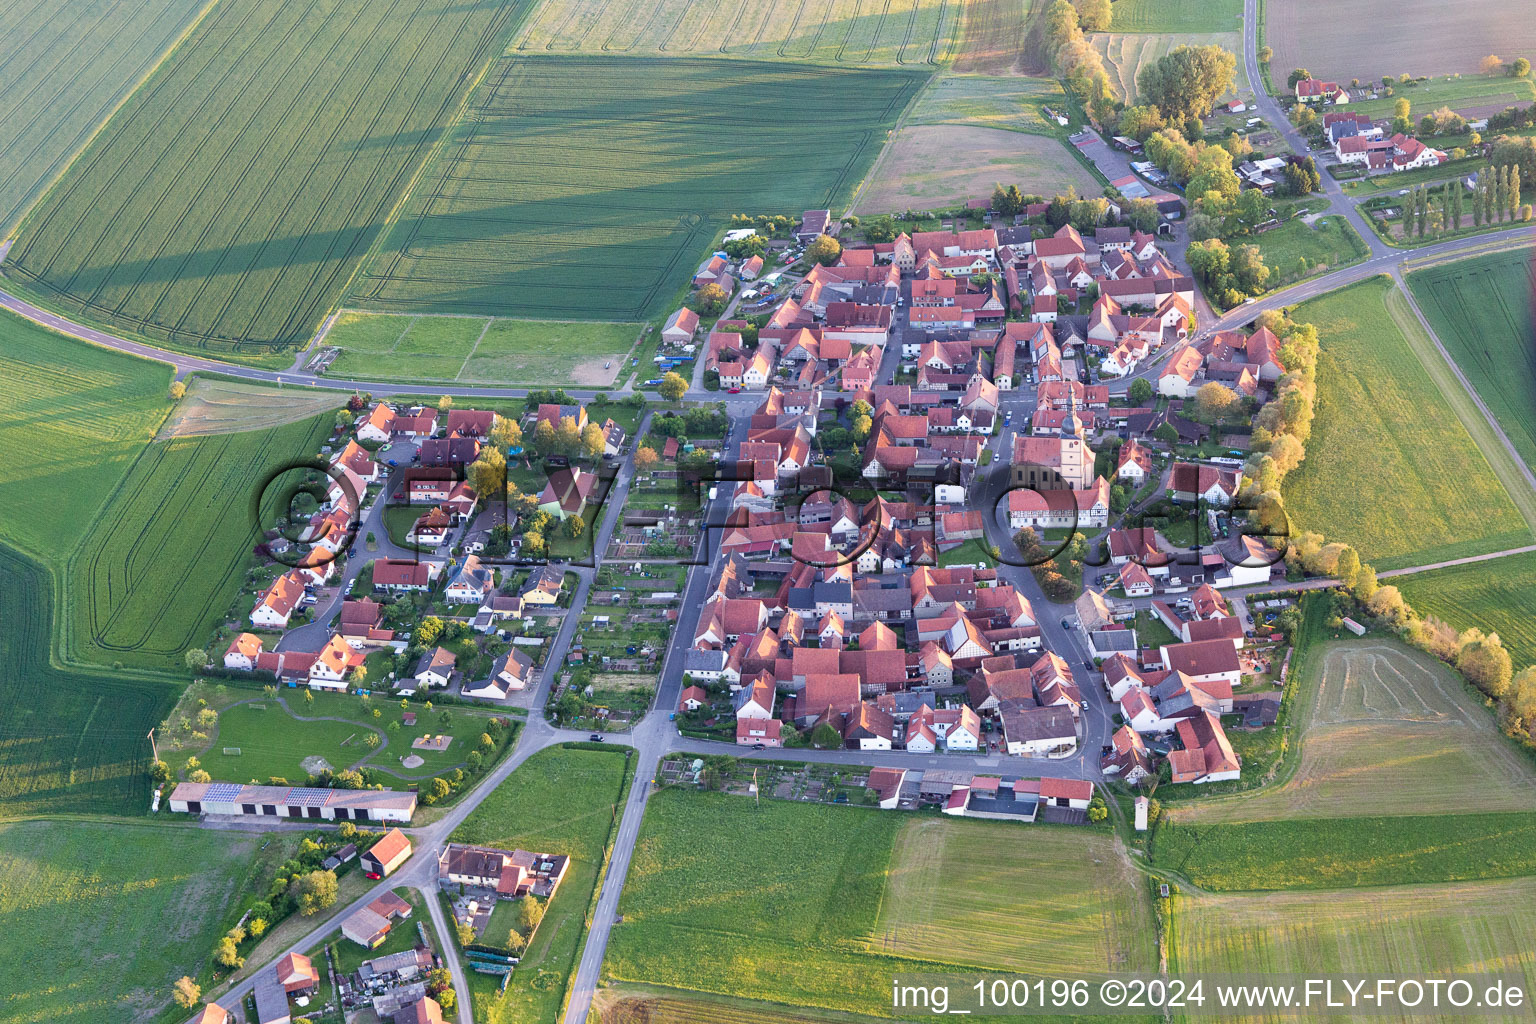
[211, 1013]
[370, 925]
[238, 800]
[386, 854]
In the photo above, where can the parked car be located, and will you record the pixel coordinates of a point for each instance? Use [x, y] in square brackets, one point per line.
[759, 746]
[596, 737]
[733, 391]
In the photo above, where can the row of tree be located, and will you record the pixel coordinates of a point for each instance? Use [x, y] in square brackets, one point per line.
[1495, 199]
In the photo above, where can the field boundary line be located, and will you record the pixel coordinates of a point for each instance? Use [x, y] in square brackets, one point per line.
[410, 324]
[1505, 461]
[1452, 563]
[1412, 264]
[473, 348]
[885, 148]
[20, 218]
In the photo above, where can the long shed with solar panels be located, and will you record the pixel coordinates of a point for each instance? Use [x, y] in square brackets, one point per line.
[234, 799]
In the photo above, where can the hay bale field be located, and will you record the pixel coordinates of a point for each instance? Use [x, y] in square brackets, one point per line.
[1366, 39]
[1385, 730]
[478, 349]
[1390, 466]
[1056, 903]
[229, 407]
[64, 66]
[1481, 310]
[851, 32]
[1126, 53]
[928, 167]
[1400, 931]
[229, 201]
[588, 187]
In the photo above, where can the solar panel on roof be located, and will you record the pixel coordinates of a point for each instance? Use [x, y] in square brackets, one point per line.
[307, 797]
[223, 792]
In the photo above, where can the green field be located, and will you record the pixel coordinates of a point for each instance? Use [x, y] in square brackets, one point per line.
[1084, 906]
[814, 906]
[166, 557]
[1329, 242]
[852, 32]
[1328, 853]
[79, 896]
[1404, 931]
[228, 203]
[987, 101]
[560, 800]
[1470, 94]
[1390, 468]
[386, 346]
[1497, 597]
[1180, 16]
[64, 66]
[1480, 309]
[587, 187]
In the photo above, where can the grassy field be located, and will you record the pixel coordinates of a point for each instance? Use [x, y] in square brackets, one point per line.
[1471, 95]
[823, 31]
[803, 910]
[1126, 53]
[1497, 597]
[1179, 16]
[1390, 729]
[64, 66]
[930, 167]
[79, 896]
[168, 553]
[1389, 467]
[1327, 242]
[1366, 39]
[959, 890]
[230, 407]
[559, 801]
[1480, 309]
[389, 346]
[1004, 37]
[228, 203]
[985, 101]
[1327, 853]
[1402, 931]
[587, 187]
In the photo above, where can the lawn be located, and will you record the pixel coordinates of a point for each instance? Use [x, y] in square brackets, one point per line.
[229, 202]
[1328, 243]
[1065, 901]
[385, 346]
[1404, 931]
[1126, 53]
[1389, 729]
[1471, 95]
[1327, 853]
[561, 800]
[101, 919]
[991, 102]
[1178, 16]
[1369, 38]
[923, 168]
[1480, 309]
[851, 32]
[1497, 597]
[64, 66]
[168, 553]
[802, 910]
[588, 187]
[1389, 467]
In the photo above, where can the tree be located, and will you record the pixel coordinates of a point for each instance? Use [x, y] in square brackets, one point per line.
[227, 954]
[506, 433]
[593, 440]
[1141, 391]
[824, 249]
[1514, 189]
[825, 737]
[1092, 15]
[880, 229]
[1347, 568]
[861, 426]
[1058, 211]
[673, 386]
[1188, 80]
[465, 932]
[710, 299]
[1088, 214]
[1141, 214]
[196, 658]
[1402, 108]
[257, 927]
[186, 992]
[574, 526]
[445, 403]
[1492, 65]
[488, 473]
[371, 740]
[199, 776]
[646, 459]
[1521, 700]
[159, 772]
[1214, 400]
[746, 248]
[436, 789]
[178, 390]
[428, 630]
[1297, 75]
[1484, 661]
[1265, 55]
